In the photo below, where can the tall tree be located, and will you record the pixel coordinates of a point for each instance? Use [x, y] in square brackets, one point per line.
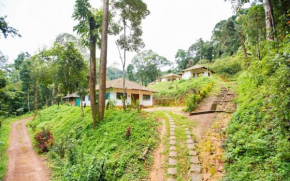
[89, 28]
[225, 37]
[69, 65]
[103, 62]
[181, 59]
[269, 17]
[130, 73]
[148, 65]
[131, 13]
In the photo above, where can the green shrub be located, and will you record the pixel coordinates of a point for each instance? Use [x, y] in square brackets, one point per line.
[81, 153]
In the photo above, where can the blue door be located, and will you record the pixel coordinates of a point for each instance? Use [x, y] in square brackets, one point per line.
[78, 102]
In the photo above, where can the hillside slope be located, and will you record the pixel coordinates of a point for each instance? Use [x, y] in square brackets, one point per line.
[258, 136]
[81, 153]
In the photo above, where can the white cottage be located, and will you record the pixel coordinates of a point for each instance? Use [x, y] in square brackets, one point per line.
[169, 78]
[196, 71]
[134, 92]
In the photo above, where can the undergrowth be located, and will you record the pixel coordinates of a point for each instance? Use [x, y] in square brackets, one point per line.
[106, 153]
[173, 93]
[258, 141]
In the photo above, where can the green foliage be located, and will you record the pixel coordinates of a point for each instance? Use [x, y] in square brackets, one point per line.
[192, 100]
[69, 68]
[178, 89]
[148, 65]
[86, 154]
[227, 66]
[258, 135]
[225, 37]
[114, 73]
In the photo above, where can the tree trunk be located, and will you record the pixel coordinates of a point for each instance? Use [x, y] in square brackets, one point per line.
[103, 63]
[124, 64]
[92, 80]
[244, 47]
[82, 107]
[270, 27]
[28, 105]
[35, 97]
[52, 95]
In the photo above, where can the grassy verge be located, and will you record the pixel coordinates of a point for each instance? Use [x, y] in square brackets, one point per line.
[4, 142]
[81, 153]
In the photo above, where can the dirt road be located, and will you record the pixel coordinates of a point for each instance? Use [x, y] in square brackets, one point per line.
[24, 164]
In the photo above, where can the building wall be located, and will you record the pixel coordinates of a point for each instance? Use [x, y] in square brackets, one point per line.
[164, 80]
[186, 75]
[195, 73]
[113, 96]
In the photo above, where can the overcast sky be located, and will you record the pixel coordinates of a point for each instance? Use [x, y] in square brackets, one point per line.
[172, 24]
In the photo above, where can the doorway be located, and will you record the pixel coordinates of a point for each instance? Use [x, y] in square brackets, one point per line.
[134, 98]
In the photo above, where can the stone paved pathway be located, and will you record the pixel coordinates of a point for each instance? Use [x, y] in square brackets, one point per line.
[195, 168]
[193, 158]
[172, 170]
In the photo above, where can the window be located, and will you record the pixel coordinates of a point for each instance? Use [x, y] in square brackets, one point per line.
[120, 95]
[84, 98]
[146, 97]
[208, 74]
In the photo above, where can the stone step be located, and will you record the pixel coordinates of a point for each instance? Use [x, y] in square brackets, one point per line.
[192, 153]
[172, 153]
[189, 141]
[172, 133]
[172, 142]
[172, 171]
[172, 161]
[195, 168]
[172, 137]
[188, 136]
[172, 148]
[194, 159]
[190, 146]
[196, 177]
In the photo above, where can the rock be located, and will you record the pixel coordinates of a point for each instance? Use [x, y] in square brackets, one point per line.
[172, 148]
[190, 146]
[192, 153]
[172, 153]
[172, 137]
[196, 178]
[189, 141]
[172, 161]
[195, 168]
[194, 159]
[172, 171]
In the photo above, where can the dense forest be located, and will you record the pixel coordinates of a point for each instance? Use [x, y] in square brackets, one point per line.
[251, 49]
